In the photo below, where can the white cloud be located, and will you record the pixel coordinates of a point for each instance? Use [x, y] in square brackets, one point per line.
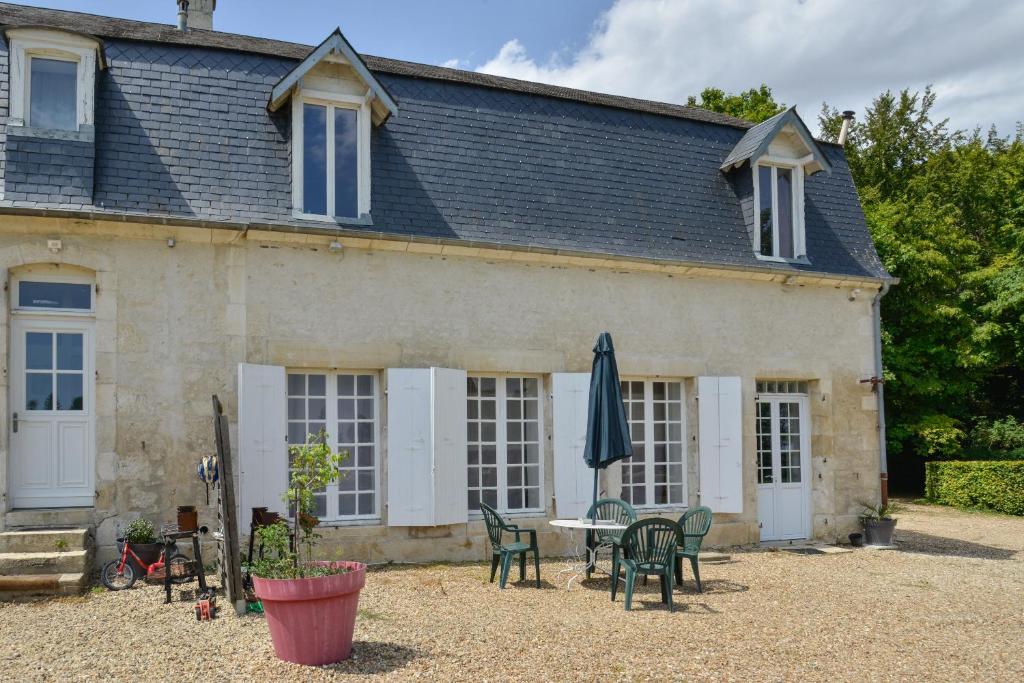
[842, 52]
[455, 63]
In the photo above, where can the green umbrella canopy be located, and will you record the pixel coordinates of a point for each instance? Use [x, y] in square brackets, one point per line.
[607, 429]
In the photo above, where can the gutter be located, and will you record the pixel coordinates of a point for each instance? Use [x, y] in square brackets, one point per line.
[879, 387]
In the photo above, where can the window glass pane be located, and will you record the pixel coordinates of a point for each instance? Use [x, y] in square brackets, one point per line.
[39, 391]
[314, 159]
[69, 391]
[764, 183]
[346, 173]
[38, 351]
[54, 295]
[785, 204]
[69, 352]
[53, 94]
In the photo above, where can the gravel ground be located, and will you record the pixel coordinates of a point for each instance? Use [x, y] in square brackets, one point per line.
[947, 605]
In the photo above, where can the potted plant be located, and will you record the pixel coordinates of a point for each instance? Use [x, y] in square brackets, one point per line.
[879, 523]
[141, 536]
[310, 605]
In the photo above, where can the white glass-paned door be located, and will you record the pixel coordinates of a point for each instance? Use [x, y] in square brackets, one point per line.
[783, 466]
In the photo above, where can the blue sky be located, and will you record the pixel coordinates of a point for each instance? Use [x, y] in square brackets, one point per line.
[471, 31]
[843, 52]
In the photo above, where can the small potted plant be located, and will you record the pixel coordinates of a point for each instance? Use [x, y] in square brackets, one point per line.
[879, 523]
[141, 536]
[310, 605]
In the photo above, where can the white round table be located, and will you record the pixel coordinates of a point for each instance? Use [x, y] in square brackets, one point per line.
[583, 558]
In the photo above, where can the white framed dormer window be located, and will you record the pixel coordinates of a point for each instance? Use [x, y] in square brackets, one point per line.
[779, 210]
[504, 441]
[330, 156]
[53, 79]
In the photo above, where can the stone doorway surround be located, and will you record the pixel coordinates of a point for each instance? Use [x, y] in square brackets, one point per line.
[34, 255]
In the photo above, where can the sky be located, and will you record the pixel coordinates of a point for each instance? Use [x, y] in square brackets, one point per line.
[843, 52]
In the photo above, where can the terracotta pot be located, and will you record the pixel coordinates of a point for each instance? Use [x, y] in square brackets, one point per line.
[312, 620]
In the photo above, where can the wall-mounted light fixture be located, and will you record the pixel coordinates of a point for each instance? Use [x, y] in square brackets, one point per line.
[54, 245]
[171, 242]
[335, 247]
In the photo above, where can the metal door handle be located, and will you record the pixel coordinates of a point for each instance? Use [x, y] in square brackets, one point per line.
[15, 423]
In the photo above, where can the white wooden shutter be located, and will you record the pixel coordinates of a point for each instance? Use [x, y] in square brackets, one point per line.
[721, 443]
[574, 481]
[409, 446]
[448, 415]
[262, 445]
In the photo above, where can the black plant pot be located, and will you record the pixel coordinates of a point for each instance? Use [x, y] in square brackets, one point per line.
[857, 540]
[147, 552]
[879, 531]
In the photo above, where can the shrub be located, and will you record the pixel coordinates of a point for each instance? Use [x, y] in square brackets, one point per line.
[999, 435]
[140, 531]
[987, 485]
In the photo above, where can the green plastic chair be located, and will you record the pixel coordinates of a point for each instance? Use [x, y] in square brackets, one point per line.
[649, 550]
[504, 552]
[694, 526]
[609, 510]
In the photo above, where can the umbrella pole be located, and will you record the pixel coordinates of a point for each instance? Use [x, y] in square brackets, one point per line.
[593, 507]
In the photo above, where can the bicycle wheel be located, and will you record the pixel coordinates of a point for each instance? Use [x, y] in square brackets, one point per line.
[118, 580]
[180, 568]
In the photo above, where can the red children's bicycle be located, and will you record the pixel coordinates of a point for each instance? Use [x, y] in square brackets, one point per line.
[120, 574]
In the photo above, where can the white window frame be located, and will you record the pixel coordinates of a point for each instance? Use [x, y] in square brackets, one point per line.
[16, 306]
[649, 445]
[51, 44]
[332, 518]
[799, 234]
[501, 443]
[361, 104]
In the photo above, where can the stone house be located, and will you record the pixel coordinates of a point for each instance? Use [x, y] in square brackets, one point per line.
[418, 260]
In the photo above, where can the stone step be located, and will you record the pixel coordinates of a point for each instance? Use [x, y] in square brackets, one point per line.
[24, 586]
[67, 562]
[713, 557]
[50, 518]
[45, 540]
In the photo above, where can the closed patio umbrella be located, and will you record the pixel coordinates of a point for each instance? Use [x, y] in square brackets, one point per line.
[608, 437]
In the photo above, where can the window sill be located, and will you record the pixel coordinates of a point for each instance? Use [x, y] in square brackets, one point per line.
[341, 523]
[800, 261]
[652, 509]
[522, 514]
[363, 221]
[83, 134]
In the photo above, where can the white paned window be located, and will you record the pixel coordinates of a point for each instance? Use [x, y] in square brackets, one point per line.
[331, 157]
[52, 79]
[344, 405]
[656, 473]
[504, 443]
[778, 198]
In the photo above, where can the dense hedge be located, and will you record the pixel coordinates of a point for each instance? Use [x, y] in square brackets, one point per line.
[989, 485]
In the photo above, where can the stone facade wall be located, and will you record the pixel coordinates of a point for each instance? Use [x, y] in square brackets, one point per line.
[174, 322]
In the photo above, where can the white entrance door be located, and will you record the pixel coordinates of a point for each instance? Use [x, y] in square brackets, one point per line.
[783, 467]
[52, 415]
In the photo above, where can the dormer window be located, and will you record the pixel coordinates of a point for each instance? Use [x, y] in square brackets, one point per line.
[330, 143]
[778, 196]
[53, 92]
[335, 102]
[767, 167]
[53, 79]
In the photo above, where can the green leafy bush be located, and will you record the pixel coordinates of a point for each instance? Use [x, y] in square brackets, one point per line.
[987, 485]
[140, 531]
[1000, 435]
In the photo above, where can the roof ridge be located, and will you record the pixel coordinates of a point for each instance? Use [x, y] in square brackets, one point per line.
[154, 32]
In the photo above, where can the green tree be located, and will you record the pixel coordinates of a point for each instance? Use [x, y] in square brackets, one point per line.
[946, 211]
[755, 105]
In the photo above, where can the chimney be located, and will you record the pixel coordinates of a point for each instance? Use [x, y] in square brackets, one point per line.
[196, 14]
[845, 130]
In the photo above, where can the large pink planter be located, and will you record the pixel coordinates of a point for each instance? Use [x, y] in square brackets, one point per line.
[311, 620]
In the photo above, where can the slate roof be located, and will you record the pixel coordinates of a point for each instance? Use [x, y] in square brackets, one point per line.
[182, 131]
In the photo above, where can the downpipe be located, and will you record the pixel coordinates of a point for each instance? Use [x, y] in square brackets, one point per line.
[879, 387]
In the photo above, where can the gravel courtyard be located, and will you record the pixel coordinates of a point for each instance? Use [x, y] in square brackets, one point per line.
[946, 606]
